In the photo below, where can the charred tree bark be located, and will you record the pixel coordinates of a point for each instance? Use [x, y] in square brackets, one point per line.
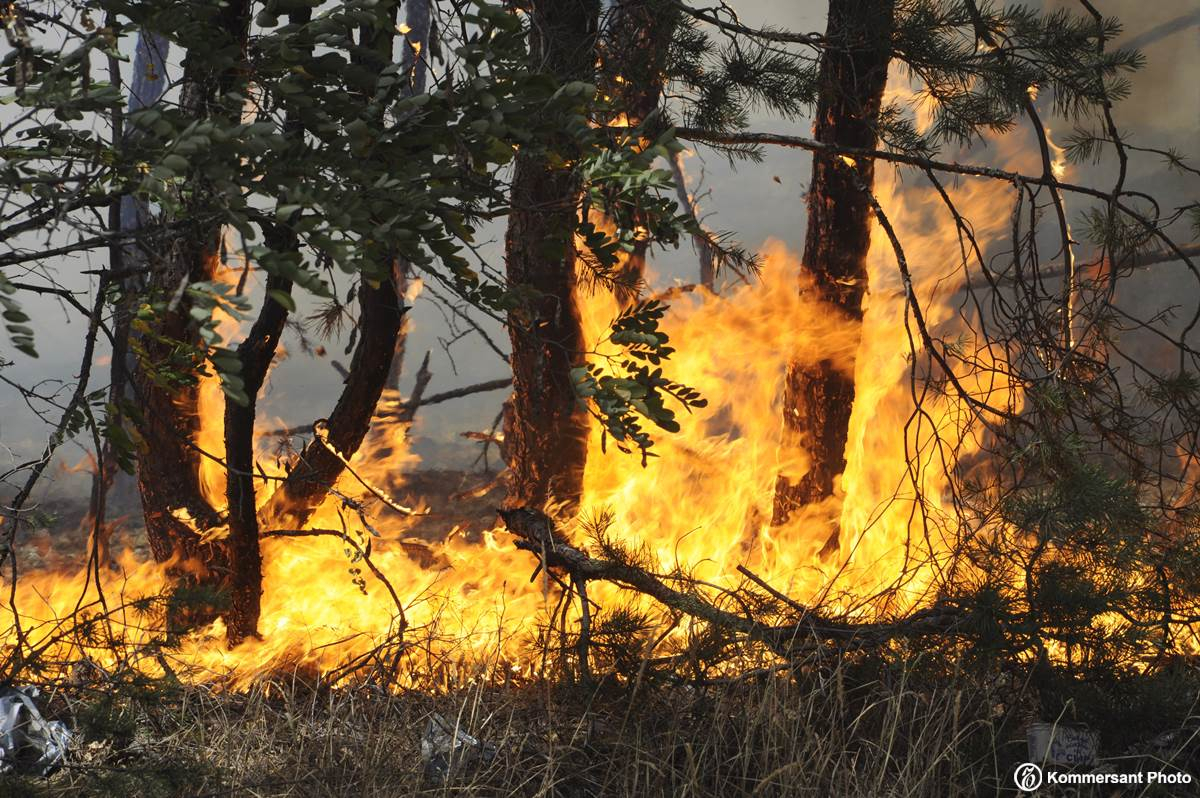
[317, 468]
[817, 398]
[546, 428]
[173, 499]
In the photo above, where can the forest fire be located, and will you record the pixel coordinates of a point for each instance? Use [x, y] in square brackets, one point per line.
[702, 507]
[843, 500]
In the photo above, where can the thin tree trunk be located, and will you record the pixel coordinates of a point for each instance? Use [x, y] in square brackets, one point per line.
[126, 260]
[173, 499]
[379, 325]
[317, 468]
[414, 56]
[704, 249]
[256, 354]
[817, 398]
[546, 428]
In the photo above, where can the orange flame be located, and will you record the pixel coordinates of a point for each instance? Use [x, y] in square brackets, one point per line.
[704, 506]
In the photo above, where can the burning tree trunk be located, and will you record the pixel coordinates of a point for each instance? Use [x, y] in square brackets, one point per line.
[817, 398]
[379, 326]
[256, 353]
[323, 461]
[169, 480]
[169, 464]
[546, 428]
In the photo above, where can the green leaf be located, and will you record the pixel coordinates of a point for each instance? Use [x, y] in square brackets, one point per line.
[284, 299]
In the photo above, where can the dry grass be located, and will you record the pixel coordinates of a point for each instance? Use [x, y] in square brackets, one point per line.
[831, 731]
[840, 727]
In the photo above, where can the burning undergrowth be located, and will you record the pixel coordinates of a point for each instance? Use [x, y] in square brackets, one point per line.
[946, 518]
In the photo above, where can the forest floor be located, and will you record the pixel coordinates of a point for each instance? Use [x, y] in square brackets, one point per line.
[833, 728]
[833, 733]
[900, 723]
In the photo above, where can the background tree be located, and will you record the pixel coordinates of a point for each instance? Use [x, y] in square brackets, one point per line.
[545, 426]
[817, 399]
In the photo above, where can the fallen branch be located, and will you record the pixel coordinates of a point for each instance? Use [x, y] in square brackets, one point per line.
[536, 534]
[458, 393]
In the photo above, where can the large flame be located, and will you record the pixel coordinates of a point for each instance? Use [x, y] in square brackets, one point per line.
[703, 506]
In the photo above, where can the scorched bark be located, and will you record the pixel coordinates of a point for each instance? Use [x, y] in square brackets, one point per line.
[818, 397]
[546, 428]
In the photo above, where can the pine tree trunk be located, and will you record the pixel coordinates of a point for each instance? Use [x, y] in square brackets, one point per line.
[817, 398]
[173, 500]
[546, 429]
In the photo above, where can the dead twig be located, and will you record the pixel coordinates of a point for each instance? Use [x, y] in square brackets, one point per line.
[434, 399]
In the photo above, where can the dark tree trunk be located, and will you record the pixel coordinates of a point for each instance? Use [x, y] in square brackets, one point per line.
[418, 18]
[546, 428]
[317, 468]
[817, 398]
[256, 354]
[379, 328]
[173, 500]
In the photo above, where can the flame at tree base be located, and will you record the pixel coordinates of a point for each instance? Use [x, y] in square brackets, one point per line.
[702, 508]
